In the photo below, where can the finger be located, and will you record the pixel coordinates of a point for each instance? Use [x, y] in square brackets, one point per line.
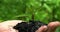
[42, 29]
[52, 26]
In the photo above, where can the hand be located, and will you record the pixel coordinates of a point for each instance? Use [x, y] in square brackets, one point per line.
[8, 26]
[51, 27]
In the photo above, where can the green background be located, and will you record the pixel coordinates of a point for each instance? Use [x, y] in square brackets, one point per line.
[44, 10]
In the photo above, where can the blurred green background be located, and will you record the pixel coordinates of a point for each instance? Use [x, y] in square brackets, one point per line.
[44, 10]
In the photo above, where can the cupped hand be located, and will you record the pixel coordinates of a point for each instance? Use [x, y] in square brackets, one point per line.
[50, 28]
[8, 26]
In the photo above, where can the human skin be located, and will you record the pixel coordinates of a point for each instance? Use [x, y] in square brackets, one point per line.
[51, 27]
[7, 26]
